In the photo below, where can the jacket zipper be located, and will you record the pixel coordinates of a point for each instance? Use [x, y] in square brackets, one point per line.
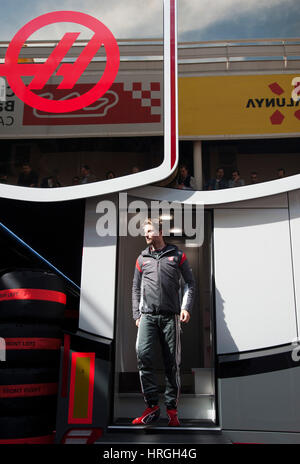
[158, 270]
[159, 278]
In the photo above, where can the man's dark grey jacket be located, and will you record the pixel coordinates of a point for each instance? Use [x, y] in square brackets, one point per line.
[156, 282]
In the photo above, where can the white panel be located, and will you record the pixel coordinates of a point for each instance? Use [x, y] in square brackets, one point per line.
[220, 197]
[274, 201]
[294, 205]
[97, 299]
[254, 283]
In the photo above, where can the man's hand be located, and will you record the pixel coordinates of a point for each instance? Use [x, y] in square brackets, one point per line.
[184, 316]
[137, 322]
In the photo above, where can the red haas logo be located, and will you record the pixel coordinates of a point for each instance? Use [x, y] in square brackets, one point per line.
[71, 72]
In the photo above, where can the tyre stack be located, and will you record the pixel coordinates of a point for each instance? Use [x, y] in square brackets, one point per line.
[32, 303]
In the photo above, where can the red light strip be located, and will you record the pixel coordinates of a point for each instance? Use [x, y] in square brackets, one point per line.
[173, 81]
[45, 440]
[90, 398]
[65, 367]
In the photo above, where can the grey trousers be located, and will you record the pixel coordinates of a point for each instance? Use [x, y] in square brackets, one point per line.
[163, 329]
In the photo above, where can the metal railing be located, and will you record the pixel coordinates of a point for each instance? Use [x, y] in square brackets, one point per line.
[227, 55]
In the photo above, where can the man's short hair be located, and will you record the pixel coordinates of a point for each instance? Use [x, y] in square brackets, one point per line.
[184, 165]
[155, 222]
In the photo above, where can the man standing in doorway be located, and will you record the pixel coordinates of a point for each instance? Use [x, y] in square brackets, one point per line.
[158, 312]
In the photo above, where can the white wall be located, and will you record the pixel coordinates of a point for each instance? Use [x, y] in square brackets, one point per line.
[294, 206]
[254, 282]
[255, 289]
[97, 300]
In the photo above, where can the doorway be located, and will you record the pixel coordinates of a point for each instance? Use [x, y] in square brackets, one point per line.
[197, 406]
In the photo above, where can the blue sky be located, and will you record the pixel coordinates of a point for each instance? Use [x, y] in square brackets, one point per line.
[198, 19]
[239, 19]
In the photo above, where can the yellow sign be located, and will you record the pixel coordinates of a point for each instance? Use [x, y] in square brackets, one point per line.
[237, 105]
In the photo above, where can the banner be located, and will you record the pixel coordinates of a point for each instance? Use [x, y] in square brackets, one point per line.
[209, 106]
[212, 106]
[132, 106]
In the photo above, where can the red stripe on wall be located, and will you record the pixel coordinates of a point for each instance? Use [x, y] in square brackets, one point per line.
[65, 366]
[46, 439]
[91, 389]
[72, 388]
[173, 81]
[89, 418]
[96, 434]
[32, 294]
[28, 390]
[32, 343]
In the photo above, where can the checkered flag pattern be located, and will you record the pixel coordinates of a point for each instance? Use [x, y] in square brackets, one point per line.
[148, 93]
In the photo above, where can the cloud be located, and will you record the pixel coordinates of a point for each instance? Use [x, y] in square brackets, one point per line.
[126, 19]
[236, 19]
[194, 14]
[197, 20]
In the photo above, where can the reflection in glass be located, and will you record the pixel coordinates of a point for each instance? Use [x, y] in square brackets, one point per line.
[54, 163]
[119, 134]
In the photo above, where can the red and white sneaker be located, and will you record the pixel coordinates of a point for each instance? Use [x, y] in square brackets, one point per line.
[149, 415]
[173, 418]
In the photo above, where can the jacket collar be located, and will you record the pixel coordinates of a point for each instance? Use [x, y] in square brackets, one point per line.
[168, 248]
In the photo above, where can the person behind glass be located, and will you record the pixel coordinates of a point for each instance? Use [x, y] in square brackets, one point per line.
[86, 176]
[280, 173]
[236, 180]
[28, 177]
[110, 175]
[219, 182]
[185, 180]
[158, 312]
[76, 180]
[253, 177]
[51, 181]
[3, 178]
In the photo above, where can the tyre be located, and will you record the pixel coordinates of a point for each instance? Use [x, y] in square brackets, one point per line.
[31, 294]
[31, 344]
[26, 429]
[28, 391]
